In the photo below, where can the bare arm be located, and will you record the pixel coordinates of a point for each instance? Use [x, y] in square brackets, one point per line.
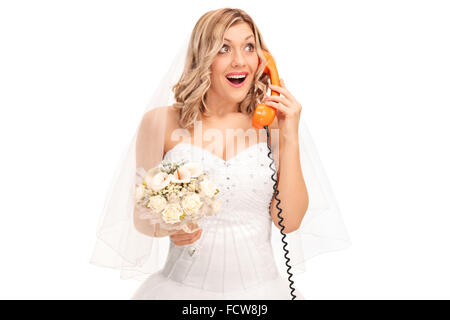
[293, 194]
[149, 153]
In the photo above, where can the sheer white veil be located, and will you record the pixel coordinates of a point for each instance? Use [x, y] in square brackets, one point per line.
[119, 245]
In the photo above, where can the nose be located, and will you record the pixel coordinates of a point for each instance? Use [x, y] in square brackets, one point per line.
[238, 59]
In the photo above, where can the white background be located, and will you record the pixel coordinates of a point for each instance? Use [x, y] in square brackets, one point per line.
[373, 80]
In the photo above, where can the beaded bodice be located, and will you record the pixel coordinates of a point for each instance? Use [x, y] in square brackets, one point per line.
[234, 251]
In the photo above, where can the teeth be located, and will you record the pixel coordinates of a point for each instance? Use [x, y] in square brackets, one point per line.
[237, 76]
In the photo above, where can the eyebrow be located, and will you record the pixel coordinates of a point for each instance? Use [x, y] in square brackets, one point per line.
[244, 39]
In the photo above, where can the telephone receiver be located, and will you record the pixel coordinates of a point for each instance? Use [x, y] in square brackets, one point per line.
[262, 118]
[263, 114]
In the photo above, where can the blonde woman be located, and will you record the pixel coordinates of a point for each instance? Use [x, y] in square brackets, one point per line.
[231, 255]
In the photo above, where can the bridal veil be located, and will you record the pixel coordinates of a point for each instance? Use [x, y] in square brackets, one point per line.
[121, 246]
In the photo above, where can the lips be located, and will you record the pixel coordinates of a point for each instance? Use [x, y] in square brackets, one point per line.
[237, 73]
[234, 80]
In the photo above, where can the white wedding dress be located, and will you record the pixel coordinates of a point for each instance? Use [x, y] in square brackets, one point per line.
[234, 258]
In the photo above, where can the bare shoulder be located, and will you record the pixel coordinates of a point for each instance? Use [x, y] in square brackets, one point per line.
[159, 120]
[172, 124]
[162, 117]
[173, 113]
[158, 113]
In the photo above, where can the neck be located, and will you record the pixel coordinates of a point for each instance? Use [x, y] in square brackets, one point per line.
[219, 107]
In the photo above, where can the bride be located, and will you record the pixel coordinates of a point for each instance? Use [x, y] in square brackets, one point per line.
[232, 254]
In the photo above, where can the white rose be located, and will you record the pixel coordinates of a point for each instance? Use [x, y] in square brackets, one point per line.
[191, 203]
[173, 197]
[140, 191]
[157, 180]
[207, 187]
[157, 203]
[172, 213]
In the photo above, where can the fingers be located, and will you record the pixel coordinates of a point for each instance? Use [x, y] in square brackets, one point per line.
[281, 89]
[277, 105]
[186, 242]
[181, 235]
[184, 238]
[283, 100]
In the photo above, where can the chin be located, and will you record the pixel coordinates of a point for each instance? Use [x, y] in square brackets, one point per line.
[237, 98]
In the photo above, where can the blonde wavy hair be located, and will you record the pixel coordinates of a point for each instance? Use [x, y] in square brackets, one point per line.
[205, 42]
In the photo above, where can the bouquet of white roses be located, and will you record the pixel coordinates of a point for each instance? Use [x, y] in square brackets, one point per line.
[176, 195]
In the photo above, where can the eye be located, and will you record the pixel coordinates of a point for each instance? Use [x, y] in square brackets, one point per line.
[251, 45]
[224, 46]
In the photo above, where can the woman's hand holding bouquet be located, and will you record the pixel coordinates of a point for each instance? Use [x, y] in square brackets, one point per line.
[176, 196]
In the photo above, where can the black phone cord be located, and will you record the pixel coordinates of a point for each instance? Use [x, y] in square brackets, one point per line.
[279, 216]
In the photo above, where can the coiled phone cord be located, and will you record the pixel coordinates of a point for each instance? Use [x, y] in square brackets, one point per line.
[279, 216]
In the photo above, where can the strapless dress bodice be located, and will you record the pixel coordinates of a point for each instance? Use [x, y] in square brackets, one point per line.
[234, 251]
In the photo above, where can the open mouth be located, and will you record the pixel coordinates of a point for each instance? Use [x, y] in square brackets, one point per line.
[236, 80]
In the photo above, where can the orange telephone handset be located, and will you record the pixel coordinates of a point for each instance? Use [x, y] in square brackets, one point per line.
[264, 115]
